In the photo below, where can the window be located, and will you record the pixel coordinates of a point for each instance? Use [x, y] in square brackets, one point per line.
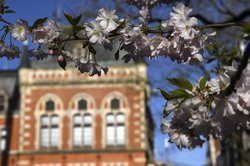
[115, 104]
[50, 105]
[49, 132]
[110, 129]
[2, 103]
[115, 129]
[82, 130]
[3, 138]
[120, 129]
[82, 105]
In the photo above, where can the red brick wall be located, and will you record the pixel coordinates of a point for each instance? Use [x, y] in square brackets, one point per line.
[66, 94]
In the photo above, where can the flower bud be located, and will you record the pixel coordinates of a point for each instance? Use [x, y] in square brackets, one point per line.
[51, 52]
[60, 58]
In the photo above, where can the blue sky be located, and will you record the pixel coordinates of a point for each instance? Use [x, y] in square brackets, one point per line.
[158, 70]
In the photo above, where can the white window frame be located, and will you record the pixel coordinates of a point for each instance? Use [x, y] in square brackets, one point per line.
[116, 124]
[3, 137]
[82, 126]
[49, 126]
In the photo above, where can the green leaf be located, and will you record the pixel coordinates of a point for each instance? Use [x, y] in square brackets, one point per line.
[6, 31]
[203, 82]
[63, 64]
[77, 19]
[181, 83]
[176, 94]
[165, 113]
[70, 18]
[78, 28]
[91, 49]
[165, 94]
[9, 11]
[246, 26]
[120, 26]
[39, 22]
[85, 44]
[117, 54]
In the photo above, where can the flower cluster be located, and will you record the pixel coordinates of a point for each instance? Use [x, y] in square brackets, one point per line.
[45, 34]
[11, 52]
[42, 34]
[187, 42]
[98, 30]
[182, 41]
[204, 111]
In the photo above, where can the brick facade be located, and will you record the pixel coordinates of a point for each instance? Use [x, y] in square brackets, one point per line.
[36, 86]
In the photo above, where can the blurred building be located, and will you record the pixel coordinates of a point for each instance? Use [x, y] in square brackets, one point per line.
[233, 151]
[52, 117]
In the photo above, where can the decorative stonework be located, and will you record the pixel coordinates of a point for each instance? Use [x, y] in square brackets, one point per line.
[81, 164]
[128, 84]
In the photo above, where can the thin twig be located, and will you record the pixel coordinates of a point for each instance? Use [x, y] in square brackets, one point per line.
[5, 21]
[220, 25]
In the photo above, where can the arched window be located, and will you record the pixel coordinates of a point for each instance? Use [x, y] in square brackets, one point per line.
[49, 131]
[2, 103]
[115, 129]
[82, 130]
[115, 104]
[50, 106]
[82, 104]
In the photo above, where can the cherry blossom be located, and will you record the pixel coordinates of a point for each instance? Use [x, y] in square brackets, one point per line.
[45, 34]
[20, 30]
[96, 33]
[107, 20]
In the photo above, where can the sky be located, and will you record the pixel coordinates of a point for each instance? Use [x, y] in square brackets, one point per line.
[158, 70]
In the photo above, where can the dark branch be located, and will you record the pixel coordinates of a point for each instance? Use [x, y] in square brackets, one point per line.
[237, 74]
[237, 18]
[223, 25]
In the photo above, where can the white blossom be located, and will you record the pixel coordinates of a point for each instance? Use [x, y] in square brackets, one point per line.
[136, 44]
[187, 42]
[181, 140]
[11, 52]
[20, 30]
[159, 46]
[180, 12]
[186, 29]
[46, 34]
[52, 29]
[96, 33]
[107, 19]
[144, 14]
